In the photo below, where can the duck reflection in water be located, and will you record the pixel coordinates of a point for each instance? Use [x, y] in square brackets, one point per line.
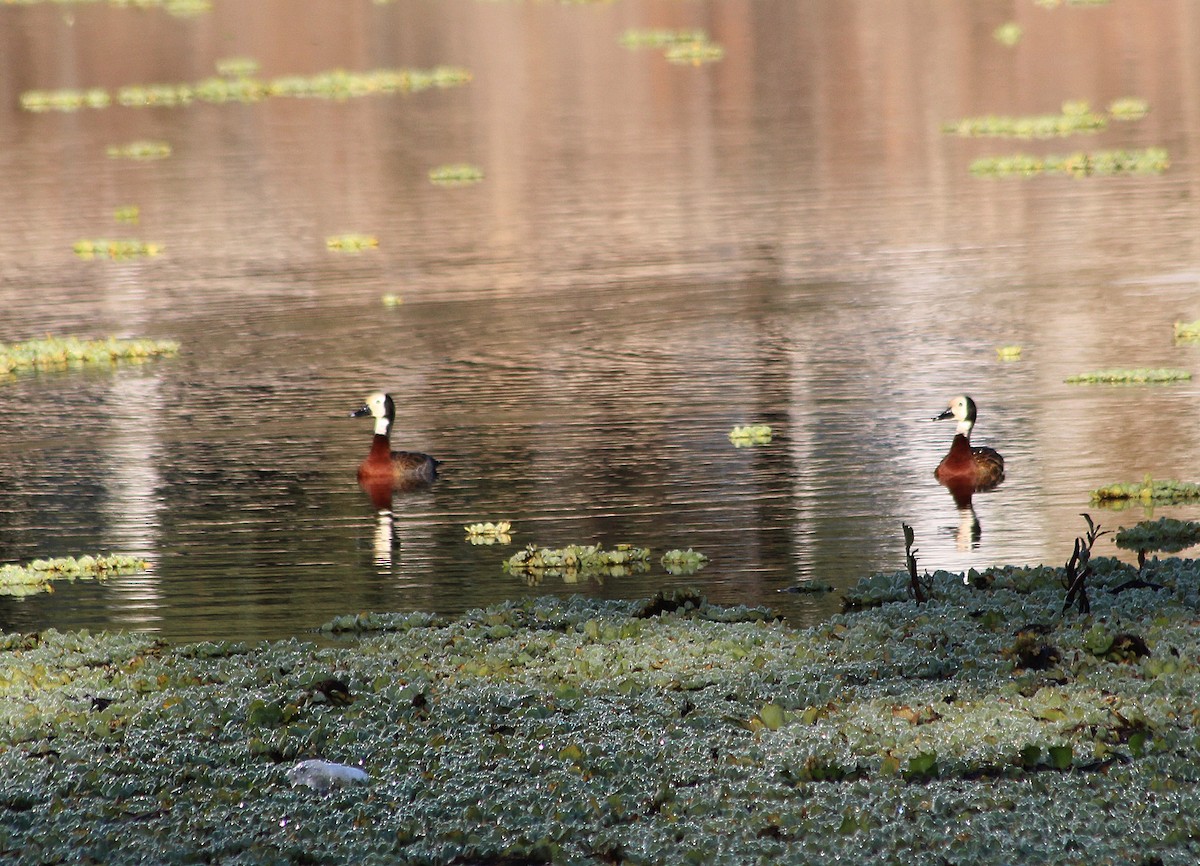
[967, 469]
[384, 472]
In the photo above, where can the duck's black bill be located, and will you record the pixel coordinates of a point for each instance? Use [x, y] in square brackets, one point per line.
[361, 411]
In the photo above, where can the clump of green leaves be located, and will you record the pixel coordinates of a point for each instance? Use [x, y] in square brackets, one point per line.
[1149, 491]
[243, 86]
[1128, 108]
[1074, 118]
[351, 243]
[36, 575]
[457, 174]
[128, 213]
[499, 532]
[104, 248]
[686, 46]
[1187, 332]
[750, 434]
[683, 561]
[1166, 535]
[1138, 376]
[144, 150]
[1008, 33]
[1008, 353]
[577, 561]
[1150, 160]
[54, 352]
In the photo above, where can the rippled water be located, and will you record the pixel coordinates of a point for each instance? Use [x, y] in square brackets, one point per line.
[656, 254]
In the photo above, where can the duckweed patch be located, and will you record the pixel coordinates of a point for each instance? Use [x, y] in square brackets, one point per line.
[1074, 118]
[1128, 108]
[146, 150]
[1149, 491]
[499, 532]
[60, 352]
[457, 174]
[695, 53]
[587, 731]
[391, 300]
[1138, 376]
[1166, 535]
[686, 46]
[1008, 353]
[351, 243]
[1151, 160]
[747, 435]
[577, 562]
[36, 576]
[223, 88]
[103, 248]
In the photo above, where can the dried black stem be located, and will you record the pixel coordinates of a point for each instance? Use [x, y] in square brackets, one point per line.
[916, 588]
[1079, 568]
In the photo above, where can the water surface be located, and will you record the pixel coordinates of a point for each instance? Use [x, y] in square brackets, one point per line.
[656, 254]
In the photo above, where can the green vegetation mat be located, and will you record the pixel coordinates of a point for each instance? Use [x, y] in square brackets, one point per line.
[1138, 376]
[1148, 491]
[55, 352]
[981, 727]
[1166, 534]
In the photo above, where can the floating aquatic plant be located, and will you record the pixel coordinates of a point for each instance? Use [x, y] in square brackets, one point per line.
[128, 248]
[1139, 376]
[694, 53]
[1008, 353]
[237, 67]
[683, 561]
[660, 37]
[1128, 108]
[36, 576]
[223, 88]
[1187, 332]
[458, 174]
[750, 434]
[1166, 535]
[140, 150]
[499, 532]
[1151, 160]
[1074, 118]
[1149, 491]
[1054, 4]
[391, 300]
[578, 561]
[351, 243]
[128, 213]
[1008, 34]
[56, 352]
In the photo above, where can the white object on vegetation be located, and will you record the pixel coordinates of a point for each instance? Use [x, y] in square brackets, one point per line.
[323, 775]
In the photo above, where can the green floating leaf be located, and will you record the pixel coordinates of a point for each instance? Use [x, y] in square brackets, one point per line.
[1128, 108]
[1074, 118]
[145, 150]
[1139, 376]
[683, 561]
[1008, 353]
[575, 561]
[93, 248]
[1061, 757]
[351, 243]
[36, 575]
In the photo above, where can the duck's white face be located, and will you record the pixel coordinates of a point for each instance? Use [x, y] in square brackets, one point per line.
[377, 407]
[962, 410]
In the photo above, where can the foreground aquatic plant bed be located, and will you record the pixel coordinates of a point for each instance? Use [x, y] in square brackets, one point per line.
[983, 726]
[57, 352]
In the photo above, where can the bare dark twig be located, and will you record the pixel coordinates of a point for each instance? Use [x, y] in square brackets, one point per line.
[917, 588]
[1079, 568]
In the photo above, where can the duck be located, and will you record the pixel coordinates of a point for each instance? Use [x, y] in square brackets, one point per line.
[382, 463]
[979, 468]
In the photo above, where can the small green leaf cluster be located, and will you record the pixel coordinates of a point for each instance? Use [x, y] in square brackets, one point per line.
[456, 174]
[499, 532]
[746, 435]
[140, 150]
[578, 561]
[351, 243]
[683, 561]
[1074, 118]
[93, 248]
